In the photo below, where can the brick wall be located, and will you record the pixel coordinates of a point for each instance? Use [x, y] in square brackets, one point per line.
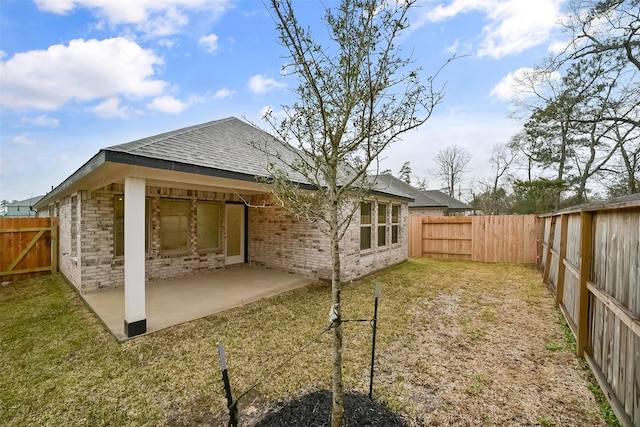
[67, 263]
[427, 212]
[279, 241]
[276, 240]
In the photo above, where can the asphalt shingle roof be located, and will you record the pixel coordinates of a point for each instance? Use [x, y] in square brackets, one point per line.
[227, 144]
[421, 199]
[228, 148]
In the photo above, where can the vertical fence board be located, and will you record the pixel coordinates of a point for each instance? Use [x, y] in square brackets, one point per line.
[636, 386]
[630, 369]
[503, 238]
[601, 294]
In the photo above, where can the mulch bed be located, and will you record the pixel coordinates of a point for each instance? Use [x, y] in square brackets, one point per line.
[314, 410]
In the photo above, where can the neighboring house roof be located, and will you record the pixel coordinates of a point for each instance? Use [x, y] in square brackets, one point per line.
[448, 201]
[226, 148]
[22, 207]
[421, 198]
[25, 202]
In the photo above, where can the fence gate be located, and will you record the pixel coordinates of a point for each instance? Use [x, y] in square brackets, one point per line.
[498, 238]
[28, 247]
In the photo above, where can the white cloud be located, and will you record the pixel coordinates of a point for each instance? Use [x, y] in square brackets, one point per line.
[42, 120]
[224, 93]
[168, 104]
[520, 82]
[168, 43]
[209, 42]
[260, 84]
[153, 17]
[23, 139]
[111, 109]
[81, 71]
[514, 25]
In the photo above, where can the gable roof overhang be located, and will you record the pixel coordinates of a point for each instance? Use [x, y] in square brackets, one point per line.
[109, 167]
[216, 156]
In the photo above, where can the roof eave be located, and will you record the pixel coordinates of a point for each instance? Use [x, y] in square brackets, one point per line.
[83, 171]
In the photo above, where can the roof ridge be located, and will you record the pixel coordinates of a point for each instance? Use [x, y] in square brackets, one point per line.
[170, 134]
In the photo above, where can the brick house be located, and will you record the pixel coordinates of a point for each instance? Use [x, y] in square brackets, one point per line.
[425, 202]
[187, 202]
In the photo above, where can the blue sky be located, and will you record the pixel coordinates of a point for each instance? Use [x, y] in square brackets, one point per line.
[80, 75]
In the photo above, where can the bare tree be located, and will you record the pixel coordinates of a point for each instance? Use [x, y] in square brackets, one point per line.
[492, 196]
[356, 95]
[599, 27]
[421, 182]
[452, 163]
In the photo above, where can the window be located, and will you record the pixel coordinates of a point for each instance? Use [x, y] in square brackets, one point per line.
[382, 224]
[395, 219]
[365, 225]
[74, 226]
[118, 226]
[174, 225]
[208, 225]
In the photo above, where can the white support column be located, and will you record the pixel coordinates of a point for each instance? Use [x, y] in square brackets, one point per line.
[135, 319]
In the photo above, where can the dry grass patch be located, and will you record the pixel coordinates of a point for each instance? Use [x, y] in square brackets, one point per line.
[458, 344]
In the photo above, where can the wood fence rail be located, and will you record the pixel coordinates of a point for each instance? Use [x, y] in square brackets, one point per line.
[590, 261]
[496, 238]
[28, 247]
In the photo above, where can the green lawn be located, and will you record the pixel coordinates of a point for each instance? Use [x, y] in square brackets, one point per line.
[60, 366]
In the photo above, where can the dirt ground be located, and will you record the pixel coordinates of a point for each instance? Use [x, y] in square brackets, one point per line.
[481, 353]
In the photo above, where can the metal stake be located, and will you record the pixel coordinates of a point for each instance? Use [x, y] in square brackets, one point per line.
[233, 407]
[373, 346]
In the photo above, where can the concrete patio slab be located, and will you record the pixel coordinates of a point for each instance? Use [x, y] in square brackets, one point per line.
[176, 301]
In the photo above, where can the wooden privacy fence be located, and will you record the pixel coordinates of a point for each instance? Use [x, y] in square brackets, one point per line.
[28, 247]
[503, 238]
[591, 258]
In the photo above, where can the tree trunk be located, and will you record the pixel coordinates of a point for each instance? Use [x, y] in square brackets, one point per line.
[338, 388]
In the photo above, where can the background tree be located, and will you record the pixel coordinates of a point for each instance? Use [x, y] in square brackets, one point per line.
[356, 95]
[581, 109]
[3, 207]
[421, 183]
[452, 164]
[405, 172]
[603, 27]
[492, 197]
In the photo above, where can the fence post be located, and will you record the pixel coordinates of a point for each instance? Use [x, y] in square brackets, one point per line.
[586, 245]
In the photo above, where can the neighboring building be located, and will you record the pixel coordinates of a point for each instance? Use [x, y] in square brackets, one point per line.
[22, 209]
[189, 201]
[425, 202]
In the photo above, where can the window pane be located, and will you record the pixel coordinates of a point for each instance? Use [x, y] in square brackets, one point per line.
[395, 213]
[382, 235]
[174, 224]
[365, 237]
[208, 225]
[394, 234]
[382, 213]
[365, 213]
